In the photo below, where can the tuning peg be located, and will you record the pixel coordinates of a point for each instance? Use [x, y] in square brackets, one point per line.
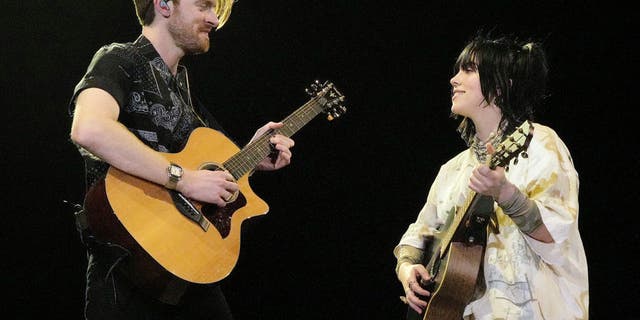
[524, 154]
[315, 88]
[338, 110]
[311, 91]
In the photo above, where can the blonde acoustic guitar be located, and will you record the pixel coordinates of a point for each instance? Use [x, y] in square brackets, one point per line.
[169, 236]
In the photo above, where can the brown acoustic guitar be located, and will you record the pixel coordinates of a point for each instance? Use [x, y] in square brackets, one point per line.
[455, 252]
[169, 236]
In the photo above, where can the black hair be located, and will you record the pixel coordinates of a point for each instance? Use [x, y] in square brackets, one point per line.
[513, 74]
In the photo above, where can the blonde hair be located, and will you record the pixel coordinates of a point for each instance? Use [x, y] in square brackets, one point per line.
[223, 11]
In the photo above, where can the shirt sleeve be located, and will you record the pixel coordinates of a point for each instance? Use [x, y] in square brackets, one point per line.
[555, 192]
[425, 223]
[109, 70]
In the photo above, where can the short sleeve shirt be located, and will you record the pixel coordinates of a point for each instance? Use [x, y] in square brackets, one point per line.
[155, 105]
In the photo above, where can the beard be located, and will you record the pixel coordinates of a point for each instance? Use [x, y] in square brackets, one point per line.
[186, 38]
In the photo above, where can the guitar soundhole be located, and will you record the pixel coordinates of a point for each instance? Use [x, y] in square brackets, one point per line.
[221, 217]
[209, 166]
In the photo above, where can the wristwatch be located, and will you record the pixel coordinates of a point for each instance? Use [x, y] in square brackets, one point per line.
[175, 174]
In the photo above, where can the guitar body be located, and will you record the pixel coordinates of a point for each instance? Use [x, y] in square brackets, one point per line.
[139, 267]
[148, 217]
[454, 283]
[455, 274]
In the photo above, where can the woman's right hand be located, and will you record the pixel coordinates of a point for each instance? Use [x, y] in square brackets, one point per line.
[412, 276]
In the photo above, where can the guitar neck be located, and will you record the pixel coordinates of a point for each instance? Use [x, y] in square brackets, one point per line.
[459, 216]
[253, 153]
[508, 149]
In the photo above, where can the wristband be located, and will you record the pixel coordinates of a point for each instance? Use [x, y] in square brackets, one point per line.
[523, 212]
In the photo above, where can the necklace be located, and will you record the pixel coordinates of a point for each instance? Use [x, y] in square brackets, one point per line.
[480, 147]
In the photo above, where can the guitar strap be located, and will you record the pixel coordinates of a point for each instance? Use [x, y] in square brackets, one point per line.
[485, 220]
[481, 219]
[484, 210]
[210, 120]
[81, 223]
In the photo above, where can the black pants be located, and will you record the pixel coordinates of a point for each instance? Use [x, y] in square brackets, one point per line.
[110, 295]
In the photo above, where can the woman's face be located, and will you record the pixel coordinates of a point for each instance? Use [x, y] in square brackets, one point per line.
[466, 92]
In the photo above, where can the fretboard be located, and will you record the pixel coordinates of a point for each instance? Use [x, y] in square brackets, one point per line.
[253, 153]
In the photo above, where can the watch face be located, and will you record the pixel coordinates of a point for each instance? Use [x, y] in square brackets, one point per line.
[176, 171]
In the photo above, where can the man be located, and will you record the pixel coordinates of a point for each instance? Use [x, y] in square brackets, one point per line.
[133, 104]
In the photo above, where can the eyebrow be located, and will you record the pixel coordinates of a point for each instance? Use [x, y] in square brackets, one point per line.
[209, 2]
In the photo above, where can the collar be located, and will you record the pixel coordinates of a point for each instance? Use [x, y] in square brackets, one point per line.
[146, 49]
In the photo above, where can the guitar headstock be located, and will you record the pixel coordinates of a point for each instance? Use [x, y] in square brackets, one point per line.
[328, 97]
[514, 145]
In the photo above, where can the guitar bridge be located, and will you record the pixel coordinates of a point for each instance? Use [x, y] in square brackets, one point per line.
[188, 209]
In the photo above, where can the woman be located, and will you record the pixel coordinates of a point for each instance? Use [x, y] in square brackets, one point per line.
[532, 263]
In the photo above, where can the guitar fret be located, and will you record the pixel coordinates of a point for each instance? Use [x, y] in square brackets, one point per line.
[249, 157]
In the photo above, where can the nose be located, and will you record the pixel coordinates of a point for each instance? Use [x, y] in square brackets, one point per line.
[454, 81]
[212, 18]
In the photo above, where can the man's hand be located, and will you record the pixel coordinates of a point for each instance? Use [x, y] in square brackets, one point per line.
[208, 186]
[281, 145]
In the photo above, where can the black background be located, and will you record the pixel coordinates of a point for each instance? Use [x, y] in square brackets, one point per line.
[324, 250]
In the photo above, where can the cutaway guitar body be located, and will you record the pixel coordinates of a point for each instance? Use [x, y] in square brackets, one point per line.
[171, 239]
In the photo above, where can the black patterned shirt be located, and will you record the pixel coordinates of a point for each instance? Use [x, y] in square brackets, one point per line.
[155, 105]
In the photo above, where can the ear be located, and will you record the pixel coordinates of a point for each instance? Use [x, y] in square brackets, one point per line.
[163, 7]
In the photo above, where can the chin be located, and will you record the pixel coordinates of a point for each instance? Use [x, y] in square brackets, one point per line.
[204, 46]
[198, 49]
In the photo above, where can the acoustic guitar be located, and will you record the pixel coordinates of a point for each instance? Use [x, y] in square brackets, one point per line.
[455, 252]
[170, 236]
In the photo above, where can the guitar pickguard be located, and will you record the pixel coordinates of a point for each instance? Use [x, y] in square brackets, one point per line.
[221, 217]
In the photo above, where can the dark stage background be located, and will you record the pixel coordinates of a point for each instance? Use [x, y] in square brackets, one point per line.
[324, 251]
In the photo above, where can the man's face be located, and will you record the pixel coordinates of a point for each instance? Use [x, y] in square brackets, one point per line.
[190, 24]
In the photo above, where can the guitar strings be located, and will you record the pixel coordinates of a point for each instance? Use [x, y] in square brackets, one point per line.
[246, 160]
